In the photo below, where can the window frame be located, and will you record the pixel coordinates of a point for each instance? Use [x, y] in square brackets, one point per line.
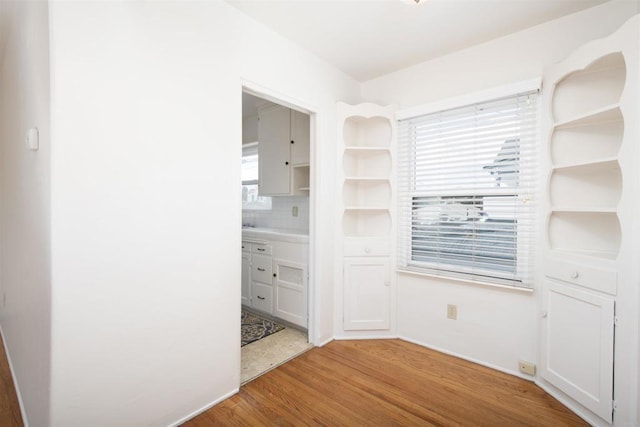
[524, 252]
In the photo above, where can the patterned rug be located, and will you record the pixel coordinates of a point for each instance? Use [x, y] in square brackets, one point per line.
[255, 328]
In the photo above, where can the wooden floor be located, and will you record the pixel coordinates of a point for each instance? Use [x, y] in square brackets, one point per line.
[386, 383]
[9, 408]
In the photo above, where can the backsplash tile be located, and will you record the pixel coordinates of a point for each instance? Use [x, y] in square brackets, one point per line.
[280, 215]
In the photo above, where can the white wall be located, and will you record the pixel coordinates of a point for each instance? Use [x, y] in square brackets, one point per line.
[25, 285]
[495, 327]
[146, 106]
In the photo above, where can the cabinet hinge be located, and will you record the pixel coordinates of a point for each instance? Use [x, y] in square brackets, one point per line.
[615, 405]
[616, 320]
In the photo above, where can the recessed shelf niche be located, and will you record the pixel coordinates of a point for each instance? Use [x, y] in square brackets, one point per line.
[367, 163]
[367, 193]
[366, 222]
[590, 186]
[592, 234]
[367, 132]
[598, 85]
[587, 142]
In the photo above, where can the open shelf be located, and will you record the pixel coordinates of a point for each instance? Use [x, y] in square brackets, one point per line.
[593, 234]
[367, 163]
[596, 185]
[367, 193]
[300, 179]
[608, 113]
[598, 85]
[367, 132]
[366, 222]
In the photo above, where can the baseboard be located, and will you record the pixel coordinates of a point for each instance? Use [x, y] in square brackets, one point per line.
[366, 337]
[204, 408]
[573, 407]
[470, 359]
[23, 413]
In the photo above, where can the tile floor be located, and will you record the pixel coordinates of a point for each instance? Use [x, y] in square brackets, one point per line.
[263, 355]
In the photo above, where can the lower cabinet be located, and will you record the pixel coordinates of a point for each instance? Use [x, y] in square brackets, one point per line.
[291, 291]
[246, 277]
[577, 345]
[367, 293]
[275, 279]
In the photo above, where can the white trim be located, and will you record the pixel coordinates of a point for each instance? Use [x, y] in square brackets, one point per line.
[366, 337]
[471, 98]
[470, 359]
[204, 408]
[466, 281]
[23, 412]
[574, 407]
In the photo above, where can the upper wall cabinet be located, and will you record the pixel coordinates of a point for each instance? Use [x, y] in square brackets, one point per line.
[283, 151]
[591, 214]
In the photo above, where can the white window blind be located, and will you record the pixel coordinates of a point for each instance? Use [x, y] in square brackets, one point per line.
[467, 187]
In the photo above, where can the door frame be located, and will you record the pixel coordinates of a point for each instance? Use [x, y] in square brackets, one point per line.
[268, 94]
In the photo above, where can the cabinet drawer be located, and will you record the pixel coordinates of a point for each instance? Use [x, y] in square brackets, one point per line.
[599, 279]
[258, 248]
[261, 268]
[262, 297]
[367, 247]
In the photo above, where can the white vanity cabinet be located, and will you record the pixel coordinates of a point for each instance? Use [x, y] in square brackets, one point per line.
[275, 274]
[291, 279]
[283, 151]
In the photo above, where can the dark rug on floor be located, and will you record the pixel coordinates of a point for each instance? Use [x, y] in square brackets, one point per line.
[255, 328]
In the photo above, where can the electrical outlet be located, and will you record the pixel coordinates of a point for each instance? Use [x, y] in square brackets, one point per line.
[294, 211]
[452, 311]
[527, 367]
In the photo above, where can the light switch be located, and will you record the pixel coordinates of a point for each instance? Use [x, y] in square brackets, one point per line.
[32, 139]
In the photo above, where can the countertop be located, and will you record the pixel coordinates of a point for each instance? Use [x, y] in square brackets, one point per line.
[257, 234]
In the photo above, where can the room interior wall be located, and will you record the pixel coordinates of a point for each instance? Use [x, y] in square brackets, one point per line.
[25, 285]
[145, 211]
[495, 327]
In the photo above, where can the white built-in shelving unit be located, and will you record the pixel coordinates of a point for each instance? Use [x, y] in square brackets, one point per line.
[589, 266]
[366, 143]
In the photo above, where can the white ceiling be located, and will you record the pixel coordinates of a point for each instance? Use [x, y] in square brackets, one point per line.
[370, 38]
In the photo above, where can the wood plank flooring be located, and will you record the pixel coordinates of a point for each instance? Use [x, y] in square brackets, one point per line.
[386, 383]
[9, 407]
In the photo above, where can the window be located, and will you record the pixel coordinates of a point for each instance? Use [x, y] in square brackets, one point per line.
[250, 198]
[467, 183]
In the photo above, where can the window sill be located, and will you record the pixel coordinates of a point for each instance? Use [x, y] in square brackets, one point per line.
[465, 281]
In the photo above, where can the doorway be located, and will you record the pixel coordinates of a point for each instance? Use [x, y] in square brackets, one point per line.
[276, 233]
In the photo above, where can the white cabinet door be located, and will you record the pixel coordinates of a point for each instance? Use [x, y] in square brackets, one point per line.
[366, 293]
[291, 291]
[246, 279]
[273, 151]
[300, 136]
[577, 346]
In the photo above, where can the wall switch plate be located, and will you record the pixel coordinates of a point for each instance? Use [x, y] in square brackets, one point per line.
[527, 367]
[294, 211]
[452, 311]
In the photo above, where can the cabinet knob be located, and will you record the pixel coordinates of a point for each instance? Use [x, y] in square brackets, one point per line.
[544, 315]
[574, 275]
[261, 269]
[259, 297]
[367, 250]
[286, 163]
[292, 142]
[274, 274]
